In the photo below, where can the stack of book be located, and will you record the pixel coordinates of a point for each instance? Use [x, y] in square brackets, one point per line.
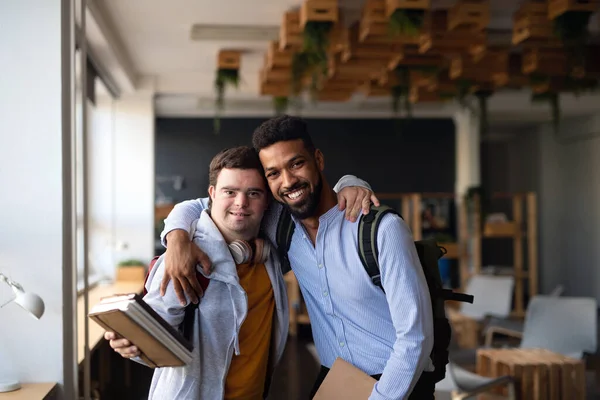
[131, 317]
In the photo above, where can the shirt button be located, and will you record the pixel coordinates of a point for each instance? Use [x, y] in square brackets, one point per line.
[341, 344]
[325, 293]
[320, 265]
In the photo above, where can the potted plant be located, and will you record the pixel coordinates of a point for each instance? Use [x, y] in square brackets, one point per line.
[224, 77]
[131, 270]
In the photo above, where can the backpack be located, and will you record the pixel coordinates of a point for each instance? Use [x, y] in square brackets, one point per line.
[186, 327]
[429, 254]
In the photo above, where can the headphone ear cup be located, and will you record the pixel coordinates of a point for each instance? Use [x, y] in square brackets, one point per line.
[262, 251]
[240, 251]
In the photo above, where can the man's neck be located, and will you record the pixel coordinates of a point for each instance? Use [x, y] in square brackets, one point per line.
[232, 236]
[326, 202]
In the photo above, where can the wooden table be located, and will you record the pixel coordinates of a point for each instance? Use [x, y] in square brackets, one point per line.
[29, 391]
[465, 330]
[539, 374]
[96, 332]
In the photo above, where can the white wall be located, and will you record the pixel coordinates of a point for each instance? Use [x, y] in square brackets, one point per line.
[31, 194]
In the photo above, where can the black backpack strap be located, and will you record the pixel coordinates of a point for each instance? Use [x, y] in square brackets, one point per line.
[285, 230]
[367, 241]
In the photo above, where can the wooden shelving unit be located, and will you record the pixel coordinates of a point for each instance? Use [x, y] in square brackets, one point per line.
[522, 229]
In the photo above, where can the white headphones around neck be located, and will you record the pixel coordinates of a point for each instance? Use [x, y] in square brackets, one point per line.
[256, 251]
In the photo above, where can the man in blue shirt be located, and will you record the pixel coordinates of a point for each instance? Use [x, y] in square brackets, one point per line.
[387, 334]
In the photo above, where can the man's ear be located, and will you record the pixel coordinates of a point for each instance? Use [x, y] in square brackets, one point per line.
[211, 191]
[320, 159]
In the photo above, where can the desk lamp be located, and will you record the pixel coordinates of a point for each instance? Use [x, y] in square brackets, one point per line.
[30, 302]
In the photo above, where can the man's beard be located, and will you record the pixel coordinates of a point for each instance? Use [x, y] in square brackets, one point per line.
[309, 207]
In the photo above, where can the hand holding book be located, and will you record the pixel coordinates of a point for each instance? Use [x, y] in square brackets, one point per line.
[121, 345]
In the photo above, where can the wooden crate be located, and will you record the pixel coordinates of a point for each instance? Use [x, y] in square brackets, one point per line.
[276, 57]
[229, 59]
[393, 5]
[558, 7]
[339, 38]
[486, 53]
[544, 61]
[372, 52]
[539, 374]
[274, 89]
[374, 11]
[436, 37]
[275, 75]
[469, 14]
[356, 68]
[335, 95]
[318, 11]
[513, 75]
[465, 330]
[500, 229]
[372, 88]
[422, 95]
[290, 34]
[463, 67]
[373, 26]
[531, 24]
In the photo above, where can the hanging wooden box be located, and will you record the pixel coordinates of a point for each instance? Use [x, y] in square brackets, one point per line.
[421, 95]
[274, 89]
[318, 11]
[450, 42]
[276, 57]
[338, 84]
[513, 75]
[373, 89]
[462, 67]
[374, 52]
[487, 53]
[339, 38]
[532, 25]
[276, 75]
[558, 7]
[334, 95]
[420, 78]
[437, 38]
[544, 61]
[393, 5]
[473, 15]
[353, 68]
[290, 34]
[374, 11]
[229, 59]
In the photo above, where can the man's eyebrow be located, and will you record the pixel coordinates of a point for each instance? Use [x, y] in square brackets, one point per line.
[296, 157]
[237, 189]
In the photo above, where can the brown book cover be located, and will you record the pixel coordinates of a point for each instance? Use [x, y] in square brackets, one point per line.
[116, 314]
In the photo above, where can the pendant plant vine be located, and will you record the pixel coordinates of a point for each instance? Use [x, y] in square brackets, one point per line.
[281, 104]
[225, 77]
[406, 22]
[571, 28]
[312, 60]
[400, 92]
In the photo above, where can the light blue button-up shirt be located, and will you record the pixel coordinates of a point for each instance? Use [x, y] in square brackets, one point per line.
[387, 333]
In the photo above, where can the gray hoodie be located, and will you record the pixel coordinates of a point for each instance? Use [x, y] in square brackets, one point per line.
[218, 320]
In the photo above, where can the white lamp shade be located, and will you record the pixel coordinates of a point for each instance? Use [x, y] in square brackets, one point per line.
[30, 302]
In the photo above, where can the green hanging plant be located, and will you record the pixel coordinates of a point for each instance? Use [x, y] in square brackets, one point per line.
[572, 29]
[225, 77]
[281, 104]
[482, 97]
[463, 87]
[406, 22]
[401, 91]
[553, 99]
[312, 60]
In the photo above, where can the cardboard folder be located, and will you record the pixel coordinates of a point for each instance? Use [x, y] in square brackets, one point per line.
[345, 382]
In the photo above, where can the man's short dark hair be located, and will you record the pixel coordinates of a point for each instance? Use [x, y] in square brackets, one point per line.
[242, 157]
[281, 129]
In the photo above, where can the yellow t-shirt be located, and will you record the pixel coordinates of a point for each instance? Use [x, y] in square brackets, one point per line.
[246, 377]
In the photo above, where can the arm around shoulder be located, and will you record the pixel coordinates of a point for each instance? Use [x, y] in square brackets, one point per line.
[182, 216]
